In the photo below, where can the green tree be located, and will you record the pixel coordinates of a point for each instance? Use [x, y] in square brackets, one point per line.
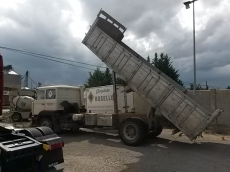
[148, 59]
[228, 87]
[120, 81]
[198, 87]
[108, 79]
[97, 78]
[164, 64]
[102, 78]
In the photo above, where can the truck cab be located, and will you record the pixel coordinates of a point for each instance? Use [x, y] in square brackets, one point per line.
[54, 105]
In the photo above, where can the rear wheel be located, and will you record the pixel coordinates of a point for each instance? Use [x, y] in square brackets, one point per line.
[45, 130]
[31, 132]
[45, 121]
[132, 132]
[75, 129]
[16, 117]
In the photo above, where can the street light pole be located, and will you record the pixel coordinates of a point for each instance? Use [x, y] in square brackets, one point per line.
[194, 51]
[194, 43]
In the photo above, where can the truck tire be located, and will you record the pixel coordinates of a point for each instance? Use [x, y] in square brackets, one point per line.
[45, 130]
[16, 117]
[31, 132]
[45, 121]
[132, 132]
[154, 133]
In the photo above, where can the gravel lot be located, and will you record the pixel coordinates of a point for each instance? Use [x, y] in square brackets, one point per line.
[102, 151]
[95, 151]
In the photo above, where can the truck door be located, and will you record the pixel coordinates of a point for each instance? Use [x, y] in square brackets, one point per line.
[39, 103]
[50, 101]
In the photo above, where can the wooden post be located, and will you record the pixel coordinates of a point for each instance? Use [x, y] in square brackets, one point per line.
[1, 84]
[115, 93]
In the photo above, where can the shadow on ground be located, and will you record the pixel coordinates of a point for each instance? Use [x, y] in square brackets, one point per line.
[163, 154]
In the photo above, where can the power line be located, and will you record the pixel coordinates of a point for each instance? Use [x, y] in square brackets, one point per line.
[57, 61]
[43, 55]
[29, 52]
[47, 57]
[50, 59]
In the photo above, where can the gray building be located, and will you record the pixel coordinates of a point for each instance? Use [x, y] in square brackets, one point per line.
[12, 86]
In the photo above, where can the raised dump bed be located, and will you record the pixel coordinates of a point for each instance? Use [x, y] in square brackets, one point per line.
[183, 110]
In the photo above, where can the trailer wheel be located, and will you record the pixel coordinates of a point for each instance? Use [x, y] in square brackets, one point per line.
[132, 132]
[45, 130]
[31, 132]
[16, 117]
[45, 121]
[156, 132]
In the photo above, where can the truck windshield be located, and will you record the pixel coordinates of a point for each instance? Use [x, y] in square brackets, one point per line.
[40, 94]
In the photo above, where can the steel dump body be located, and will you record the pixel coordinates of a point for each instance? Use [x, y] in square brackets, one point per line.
[184, 111]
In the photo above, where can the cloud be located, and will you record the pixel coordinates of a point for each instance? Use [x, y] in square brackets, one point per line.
[57, 28]
[45, 28]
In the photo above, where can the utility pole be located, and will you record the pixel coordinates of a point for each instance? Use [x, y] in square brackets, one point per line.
[187, 5]
[115, 93]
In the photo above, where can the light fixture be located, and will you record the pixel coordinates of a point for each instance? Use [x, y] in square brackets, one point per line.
[187, 6]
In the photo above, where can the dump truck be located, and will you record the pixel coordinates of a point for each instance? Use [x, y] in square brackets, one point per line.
[176, 104]
[62, 107]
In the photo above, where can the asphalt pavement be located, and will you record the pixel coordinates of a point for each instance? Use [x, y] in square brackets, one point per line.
[104, 152]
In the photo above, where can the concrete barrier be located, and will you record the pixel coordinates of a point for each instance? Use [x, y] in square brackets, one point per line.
[213, 98]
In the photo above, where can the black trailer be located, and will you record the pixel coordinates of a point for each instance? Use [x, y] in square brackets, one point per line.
[30, 150]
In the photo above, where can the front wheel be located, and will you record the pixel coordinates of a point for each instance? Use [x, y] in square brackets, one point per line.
[132, 132]
[16, 117]
[46, 122]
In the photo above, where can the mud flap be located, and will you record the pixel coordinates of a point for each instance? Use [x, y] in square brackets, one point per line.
[151, 116]
[52, 160]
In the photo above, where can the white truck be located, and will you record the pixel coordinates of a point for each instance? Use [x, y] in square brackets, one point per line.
[63, 107]
[183, 110]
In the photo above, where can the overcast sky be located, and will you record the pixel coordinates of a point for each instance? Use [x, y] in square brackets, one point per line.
[57, 28]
